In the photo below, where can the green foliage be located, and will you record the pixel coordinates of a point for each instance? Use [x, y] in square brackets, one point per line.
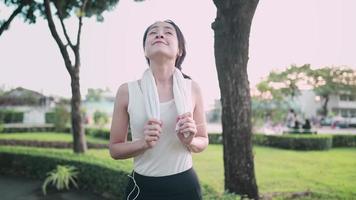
[29, 129]
[301, 142]
[285, 83]
[94, 94]
[333, 80]
[296, 142]
[275, 109]
[50, 117]
[1, 127]
[100, 118]
[61, 177]
[215, 138]
[344, 140]
[98, 175]
[11, 116]
[61, 117]
[28, 11]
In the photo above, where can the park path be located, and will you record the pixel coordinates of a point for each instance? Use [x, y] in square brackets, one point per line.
[17, 188]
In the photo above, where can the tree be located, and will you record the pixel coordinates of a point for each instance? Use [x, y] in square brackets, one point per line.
[95, 94]
[69, 50]
[287, 82]
[232, 31]
[332, 80]
[64, 10]
[25, 8]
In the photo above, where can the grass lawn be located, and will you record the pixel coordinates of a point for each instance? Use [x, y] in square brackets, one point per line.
[48, 136]
[327, 174]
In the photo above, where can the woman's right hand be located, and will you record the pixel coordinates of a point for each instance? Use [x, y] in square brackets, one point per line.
[152, 132]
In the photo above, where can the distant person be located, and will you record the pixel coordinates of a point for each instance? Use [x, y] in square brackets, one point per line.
[291, 118]
[306, 125]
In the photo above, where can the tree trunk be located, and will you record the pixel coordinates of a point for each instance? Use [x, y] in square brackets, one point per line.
[232, 29]
[79, 141]
[325, 105]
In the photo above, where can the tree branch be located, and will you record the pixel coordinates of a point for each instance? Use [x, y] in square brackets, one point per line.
[60, 16]
[6, 24]
[80, 24]
[55, 35]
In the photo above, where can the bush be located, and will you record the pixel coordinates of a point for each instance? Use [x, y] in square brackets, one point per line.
[27, 129]
[301, 142]
[100, 118]
[98, 133]
[215, 138]
[94, 175]
[61, 117]
[11, 116]
[344, 140]
[50, 117]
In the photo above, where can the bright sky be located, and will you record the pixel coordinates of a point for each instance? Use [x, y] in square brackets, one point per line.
[319, 32]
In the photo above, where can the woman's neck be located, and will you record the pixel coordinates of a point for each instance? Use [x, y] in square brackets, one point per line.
[163, 72]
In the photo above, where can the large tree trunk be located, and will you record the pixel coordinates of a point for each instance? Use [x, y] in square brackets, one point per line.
[232, 31]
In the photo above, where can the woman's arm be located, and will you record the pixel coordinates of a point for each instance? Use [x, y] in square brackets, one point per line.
[119, 147]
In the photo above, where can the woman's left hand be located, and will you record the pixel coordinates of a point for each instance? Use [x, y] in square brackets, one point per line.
[186, 128]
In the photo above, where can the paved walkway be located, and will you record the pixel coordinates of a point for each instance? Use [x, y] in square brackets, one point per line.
[16, 188]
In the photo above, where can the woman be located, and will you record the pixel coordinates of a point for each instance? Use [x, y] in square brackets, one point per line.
[161, 143]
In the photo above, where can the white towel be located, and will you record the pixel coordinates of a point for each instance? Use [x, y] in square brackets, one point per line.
[151, 99]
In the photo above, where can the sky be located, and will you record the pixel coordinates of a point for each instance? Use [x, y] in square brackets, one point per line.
[317, 32]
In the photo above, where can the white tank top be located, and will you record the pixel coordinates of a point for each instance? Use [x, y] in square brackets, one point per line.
[169, 156]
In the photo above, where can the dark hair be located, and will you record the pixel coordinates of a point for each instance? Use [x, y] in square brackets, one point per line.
[181, 46]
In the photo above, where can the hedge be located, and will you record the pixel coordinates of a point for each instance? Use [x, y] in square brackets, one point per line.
[99, 176]
[49, 144]
[301, 142]
[10, 116]
[296, 142]
[344, 140]
[95, 176]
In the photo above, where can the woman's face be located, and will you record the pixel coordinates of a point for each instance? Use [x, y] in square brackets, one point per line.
[161, 40]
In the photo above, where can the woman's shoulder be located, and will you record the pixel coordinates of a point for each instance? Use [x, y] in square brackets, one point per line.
[122, 94]
[195, 88]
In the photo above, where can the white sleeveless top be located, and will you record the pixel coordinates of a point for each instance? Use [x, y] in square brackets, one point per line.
[169, 156]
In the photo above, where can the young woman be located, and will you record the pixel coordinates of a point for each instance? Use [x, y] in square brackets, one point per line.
[162, 143]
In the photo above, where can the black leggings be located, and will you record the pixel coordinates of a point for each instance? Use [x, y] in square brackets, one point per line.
[181, 186]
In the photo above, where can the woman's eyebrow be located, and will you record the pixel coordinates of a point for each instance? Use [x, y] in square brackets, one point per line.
[165, 27]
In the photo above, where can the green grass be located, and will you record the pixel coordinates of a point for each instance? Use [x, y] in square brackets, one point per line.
[327, 174]
[48, 136]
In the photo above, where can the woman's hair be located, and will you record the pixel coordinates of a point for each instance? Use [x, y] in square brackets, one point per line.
[181, 46]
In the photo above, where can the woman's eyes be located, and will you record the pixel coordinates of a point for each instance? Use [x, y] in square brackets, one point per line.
[154, 32]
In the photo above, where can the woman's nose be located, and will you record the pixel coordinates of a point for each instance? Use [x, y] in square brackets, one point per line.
[159, 35]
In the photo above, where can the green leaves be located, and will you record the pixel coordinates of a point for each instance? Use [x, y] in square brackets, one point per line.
[61, 178]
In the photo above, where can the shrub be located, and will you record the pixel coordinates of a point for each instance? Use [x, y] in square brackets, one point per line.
[50, 117]
[215, 138]
[61, 177]
[11, 116]
[301, 142]
[100, 118]
[61, 117]
[94, 175]
[344, 140]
